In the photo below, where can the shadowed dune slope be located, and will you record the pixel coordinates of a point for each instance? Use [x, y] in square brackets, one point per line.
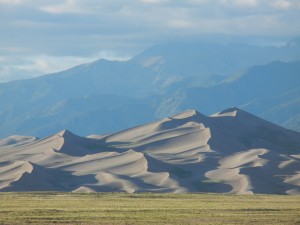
[227, 152]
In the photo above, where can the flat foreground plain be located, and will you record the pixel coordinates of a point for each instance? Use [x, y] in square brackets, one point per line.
[120, 208]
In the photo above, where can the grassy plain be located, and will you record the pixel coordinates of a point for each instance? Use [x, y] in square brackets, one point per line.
[120, 208]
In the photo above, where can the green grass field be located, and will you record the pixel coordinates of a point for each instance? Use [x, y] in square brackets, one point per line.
[118, 208]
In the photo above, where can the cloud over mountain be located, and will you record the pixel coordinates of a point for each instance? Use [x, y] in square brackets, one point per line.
[123, 28]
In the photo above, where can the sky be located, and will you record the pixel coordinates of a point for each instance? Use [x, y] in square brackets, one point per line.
[46, 36]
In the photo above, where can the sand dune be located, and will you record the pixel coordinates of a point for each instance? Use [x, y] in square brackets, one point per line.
[12, 171]
[231, 151]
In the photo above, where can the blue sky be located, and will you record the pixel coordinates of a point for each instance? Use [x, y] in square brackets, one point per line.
[44, 36]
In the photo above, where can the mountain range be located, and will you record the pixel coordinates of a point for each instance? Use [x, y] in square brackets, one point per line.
[228, 152]
[107, 96]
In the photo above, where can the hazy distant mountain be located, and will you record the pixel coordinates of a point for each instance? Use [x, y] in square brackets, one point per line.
[271, 91]
[156, 83]
[229, 152]
[201, 59]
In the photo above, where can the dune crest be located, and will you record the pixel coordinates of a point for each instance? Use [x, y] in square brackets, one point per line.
[228, 152]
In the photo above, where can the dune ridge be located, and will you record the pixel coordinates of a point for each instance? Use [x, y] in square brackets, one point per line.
[228, 152]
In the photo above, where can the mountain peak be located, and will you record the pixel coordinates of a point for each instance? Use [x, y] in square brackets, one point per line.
[65, 133]
[186, 114]
[234, 111]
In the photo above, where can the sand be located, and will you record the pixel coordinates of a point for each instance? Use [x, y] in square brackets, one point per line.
[228, 152]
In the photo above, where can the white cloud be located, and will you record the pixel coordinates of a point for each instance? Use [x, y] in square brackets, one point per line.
[110, 29]
[68, 6]
[246, 3]
[286, 4]
[199, 2]
[181, 24]
[240, 3]
[282, 4]
[16, 67]
[154, 1]
[11, 2]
